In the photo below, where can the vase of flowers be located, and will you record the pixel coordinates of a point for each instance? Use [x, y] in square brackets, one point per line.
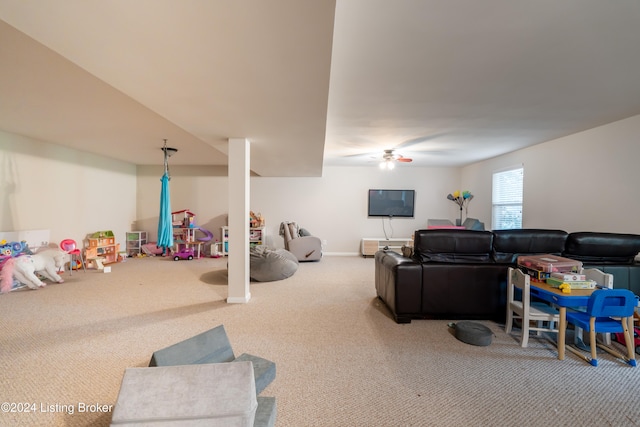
[462, 199]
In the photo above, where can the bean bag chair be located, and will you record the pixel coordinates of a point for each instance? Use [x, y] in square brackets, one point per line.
[268, 265]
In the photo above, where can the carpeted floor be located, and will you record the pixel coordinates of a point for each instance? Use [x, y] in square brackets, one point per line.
[341, 360]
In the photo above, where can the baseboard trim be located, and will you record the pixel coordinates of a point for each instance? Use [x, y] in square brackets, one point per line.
[340, 253]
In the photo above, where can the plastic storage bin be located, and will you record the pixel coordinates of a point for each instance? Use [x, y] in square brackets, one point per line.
[550, 263]
[540, 267]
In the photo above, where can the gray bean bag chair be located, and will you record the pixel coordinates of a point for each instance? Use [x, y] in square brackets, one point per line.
[268, 265]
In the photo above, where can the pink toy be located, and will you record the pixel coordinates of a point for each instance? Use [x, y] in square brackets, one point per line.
[185, 253]
[619, 337]
[6, 275]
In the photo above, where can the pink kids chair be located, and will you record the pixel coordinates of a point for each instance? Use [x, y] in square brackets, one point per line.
[70, 247]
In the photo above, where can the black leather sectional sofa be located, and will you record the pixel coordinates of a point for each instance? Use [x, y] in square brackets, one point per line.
[462, 274]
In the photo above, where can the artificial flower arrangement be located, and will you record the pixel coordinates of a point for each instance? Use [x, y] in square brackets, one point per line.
[462, 199]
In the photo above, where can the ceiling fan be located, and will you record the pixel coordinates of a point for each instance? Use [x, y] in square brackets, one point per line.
[420, 147]
[389, 159]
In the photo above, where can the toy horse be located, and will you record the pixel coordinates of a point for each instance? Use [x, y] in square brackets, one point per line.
[23, 268]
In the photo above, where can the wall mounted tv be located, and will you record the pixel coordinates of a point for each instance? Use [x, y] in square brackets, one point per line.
[391, 203]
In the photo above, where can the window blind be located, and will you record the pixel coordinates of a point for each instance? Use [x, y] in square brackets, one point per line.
[507, 190]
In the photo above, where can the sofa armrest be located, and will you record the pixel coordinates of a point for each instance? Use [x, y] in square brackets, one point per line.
[307, 248]
[398, 282]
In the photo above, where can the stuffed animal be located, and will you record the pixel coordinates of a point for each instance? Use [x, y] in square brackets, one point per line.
[23, 268]
[13, 248]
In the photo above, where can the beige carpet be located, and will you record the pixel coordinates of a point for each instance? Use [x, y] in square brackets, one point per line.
[341, 360]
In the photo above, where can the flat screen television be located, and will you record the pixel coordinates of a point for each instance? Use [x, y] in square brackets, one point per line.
[391, 203]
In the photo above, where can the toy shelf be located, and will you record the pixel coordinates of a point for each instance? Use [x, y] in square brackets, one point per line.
[256, 237]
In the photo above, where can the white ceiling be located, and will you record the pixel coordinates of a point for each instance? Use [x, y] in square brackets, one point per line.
[313, 83]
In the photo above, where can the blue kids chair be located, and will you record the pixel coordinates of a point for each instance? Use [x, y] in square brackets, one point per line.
[608, 311]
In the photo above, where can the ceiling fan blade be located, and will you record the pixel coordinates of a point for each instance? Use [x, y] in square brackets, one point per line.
[419, 140]
[404, 159]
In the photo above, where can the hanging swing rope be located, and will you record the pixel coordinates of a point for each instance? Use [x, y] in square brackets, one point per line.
[168, 152]
[165, 227]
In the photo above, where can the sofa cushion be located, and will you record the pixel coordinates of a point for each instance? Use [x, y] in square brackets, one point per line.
[509, 244]
[453, 246]
[467, 291]
[602, 248]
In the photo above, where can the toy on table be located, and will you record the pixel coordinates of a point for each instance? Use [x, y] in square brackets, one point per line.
[565, 288]
[541, 267]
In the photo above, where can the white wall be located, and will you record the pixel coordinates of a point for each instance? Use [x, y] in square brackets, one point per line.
[71, 193]
[588, 181]
[577, 183]
[332, 207]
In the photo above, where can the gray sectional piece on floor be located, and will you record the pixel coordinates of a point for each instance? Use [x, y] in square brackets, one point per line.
[208, 348]
[212, 394]
[266, 412]
[213, 346]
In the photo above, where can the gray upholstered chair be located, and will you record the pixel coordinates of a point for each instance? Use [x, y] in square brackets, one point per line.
[300, 243]
[473, 224]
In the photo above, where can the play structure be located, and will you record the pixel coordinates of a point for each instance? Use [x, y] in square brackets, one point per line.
[184, 232]
[176, 230]
[165, 232]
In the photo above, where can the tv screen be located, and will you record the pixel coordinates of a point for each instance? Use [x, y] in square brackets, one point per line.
[391, 203]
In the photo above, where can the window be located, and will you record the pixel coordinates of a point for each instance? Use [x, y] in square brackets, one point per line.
[507, 199]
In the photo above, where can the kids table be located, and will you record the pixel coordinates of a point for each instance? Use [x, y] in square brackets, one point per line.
[577, 298]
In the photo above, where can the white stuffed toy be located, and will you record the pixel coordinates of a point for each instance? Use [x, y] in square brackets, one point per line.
[23, 268]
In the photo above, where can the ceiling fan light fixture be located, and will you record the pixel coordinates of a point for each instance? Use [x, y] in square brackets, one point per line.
[389, 159]
[387, 164]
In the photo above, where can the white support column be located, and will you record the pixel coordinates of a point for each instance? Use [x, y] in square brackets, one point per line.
[239, 195]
